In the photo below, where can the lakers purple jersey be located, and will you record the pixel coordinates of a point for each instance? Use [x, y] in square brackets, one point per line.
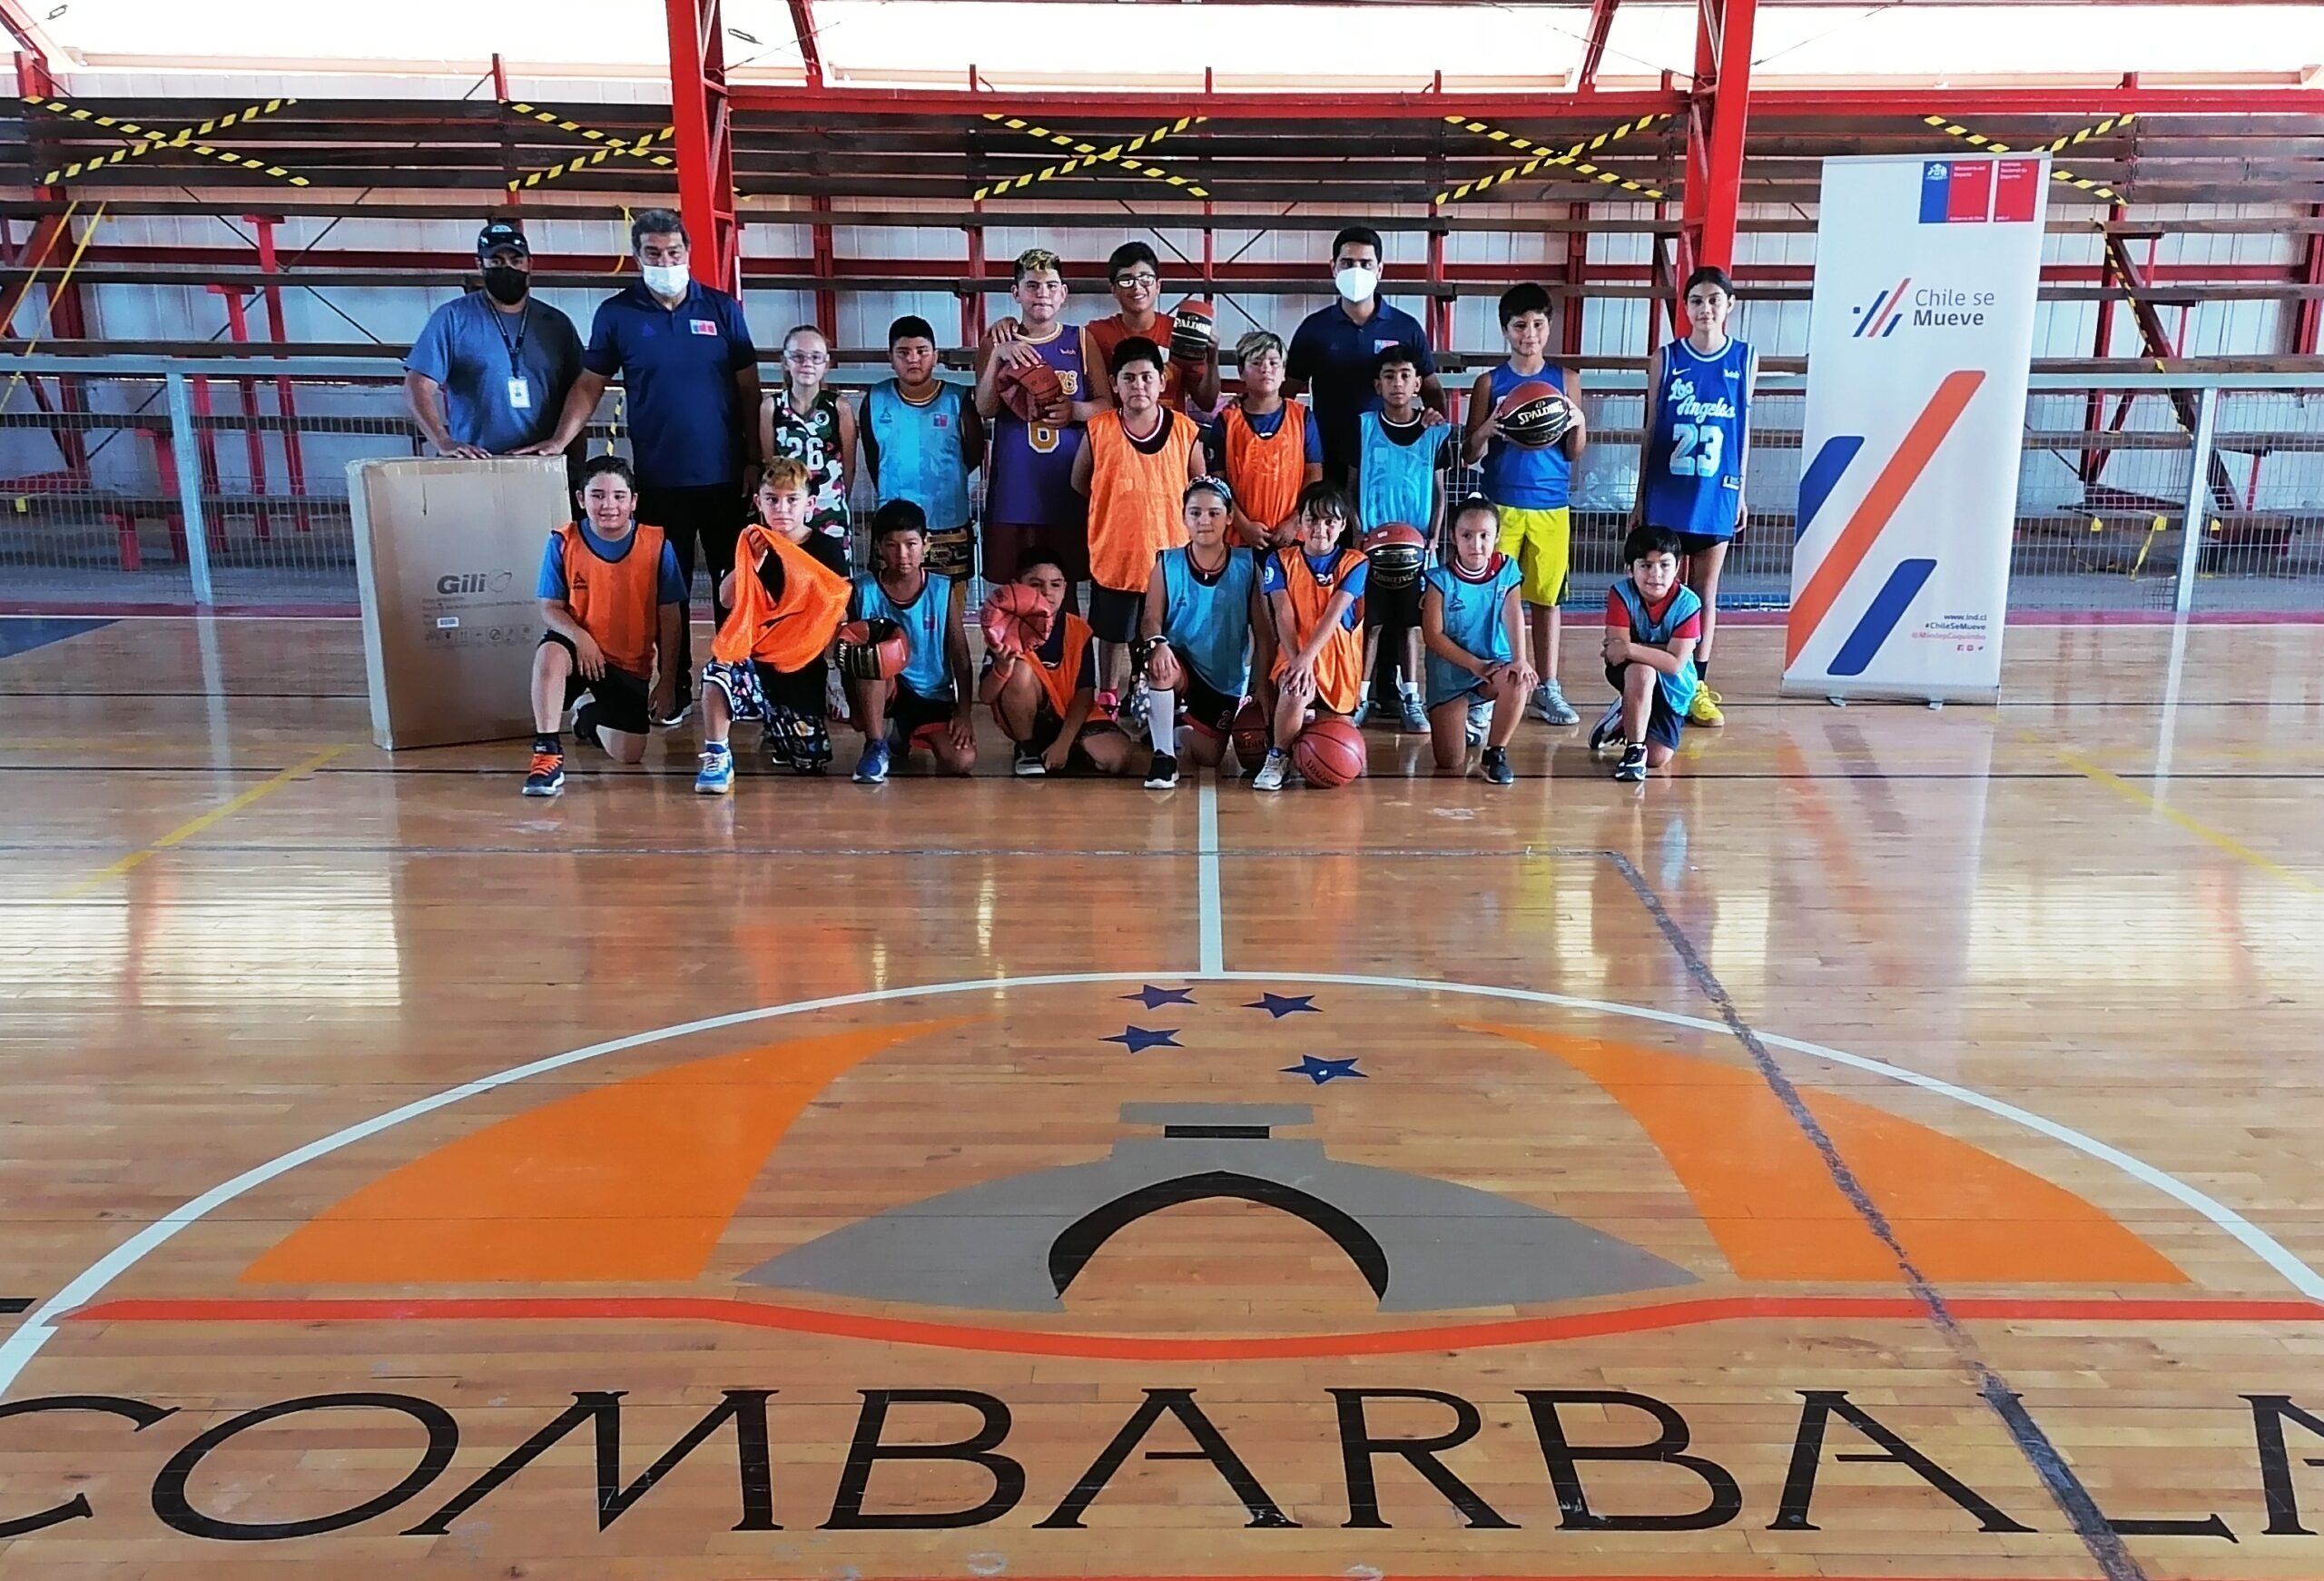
[1028, 478]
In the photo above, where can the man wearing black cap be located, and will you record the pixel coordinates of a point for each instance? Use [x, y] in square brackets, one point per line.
[490, 373]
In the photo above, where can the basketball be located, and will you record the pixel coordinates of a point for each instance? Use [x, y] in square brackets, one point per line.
[1534, 415]
[873, 650]
[1397, 551]
[1330, 753]
[1194, 330]
[1032, 391]
[1251, 736]
[1014, 618]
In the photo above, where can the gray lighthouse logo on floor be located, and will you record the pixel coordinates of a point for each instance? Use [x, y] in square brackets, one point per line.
[1016, 1244]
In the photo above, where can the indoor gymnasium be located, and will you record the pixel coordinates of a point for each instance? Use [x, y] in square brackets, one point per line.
[869, 790]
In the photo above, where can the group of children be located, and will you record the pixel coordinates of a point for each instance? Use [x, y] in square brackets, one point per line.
[1223, 571]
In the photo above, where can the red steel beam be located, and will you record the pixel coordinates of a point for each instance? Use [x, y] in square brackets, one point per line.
[702, 110]
[2311, 311]
[811, 52]
[1609, 105]
[1593, 46]
[1723, 39]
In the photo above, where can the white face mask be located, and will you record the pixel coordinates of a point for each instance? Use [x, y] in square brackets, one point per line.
[663, 279]
[1356, 283]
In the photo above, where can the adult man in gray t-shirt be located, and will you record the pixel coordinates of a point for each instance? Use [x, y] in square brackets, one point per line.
[489, 373]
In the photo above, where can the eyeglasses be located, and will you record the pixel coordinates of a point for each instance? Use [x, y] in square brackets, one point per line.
[1137, 280]
[808, 358]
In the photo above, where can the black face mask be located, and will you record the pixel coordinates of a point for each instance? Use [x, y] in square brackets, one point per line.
[506, 286]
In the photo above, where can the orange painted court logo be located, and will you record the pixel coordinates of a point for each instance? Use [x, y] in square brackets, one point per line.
[1385, 1255]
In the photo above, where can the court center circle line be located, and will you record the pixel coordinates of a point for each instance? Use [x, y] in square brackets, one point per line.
[18, 1350]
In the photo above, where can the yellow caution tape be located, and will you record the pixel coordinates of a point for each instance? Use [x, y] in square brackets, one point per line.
[636, 147]
[1089, 154]
[533, 178]
[148, 139]
[2062, 177]
[1545, 158]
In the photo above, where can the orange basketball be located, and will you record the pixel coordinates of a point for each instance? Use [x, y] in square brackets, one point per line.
[1251, 736]
[1330, 753]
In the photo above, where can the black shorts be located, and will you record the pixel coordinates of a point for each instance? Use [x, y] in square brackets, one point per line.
[1115, 616]
[1392, 609]
[620, 696]
[1663, 723]
[1046, 728]
[910, 713]
[1208, 710]
[1694, 543]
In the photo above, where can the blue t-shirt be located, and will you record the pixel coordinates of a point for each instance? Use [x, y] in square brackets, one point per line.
[1338, 358]
[677, 366]
[1396, 477]
[1523, 478]
[550, 583]
[920, 457]
[1693, 481]
[1319, 566]
[1473, 610]
[472, 349]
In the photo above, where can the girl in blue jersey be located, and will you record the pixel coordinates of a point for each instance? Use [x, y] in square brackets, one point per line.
[1473, 623]
[929, 704]
[1690, 467]
[1200, 607]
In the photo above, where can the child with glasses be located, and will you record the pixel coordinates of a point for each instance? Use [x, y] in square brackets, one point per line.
[803, 418]
[1137, 280]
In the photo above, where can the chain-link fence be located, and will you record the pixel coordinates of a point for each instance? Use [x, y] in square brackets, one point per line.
[98, 464]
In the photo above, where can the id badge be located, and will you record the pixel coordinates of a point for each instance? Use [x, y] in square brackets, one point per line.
[520, 395]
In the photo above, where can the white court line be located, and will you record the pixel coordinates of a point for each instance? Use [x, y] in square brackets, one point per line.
[19, 1349]
[1212, 909]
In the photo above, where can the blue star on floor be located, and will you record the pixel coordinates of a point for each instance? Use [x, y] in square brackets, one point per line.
[1137, 1039]
[1322, 1070]
[1278, 1006]
[1155, 998]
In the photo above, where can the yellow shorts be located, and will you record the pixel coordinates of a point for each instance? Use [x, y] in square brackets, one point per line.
[1542, 543]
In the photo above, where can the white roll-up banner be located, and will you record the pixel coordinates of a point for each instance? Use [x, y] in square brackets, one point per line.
[1920, 339]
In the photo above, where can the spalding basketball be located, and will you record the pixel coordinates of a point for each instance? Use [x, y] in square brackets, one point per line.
[873, 650]
[1397, 551]
[1534, 415]
[1014, 618]
[1330, 753]
[1194, 330]
[1251, 738]
[1032, 391]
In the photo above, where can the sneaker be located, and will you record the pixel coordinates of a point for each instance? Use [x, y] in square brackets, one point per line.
[872, 768]
[677, 714]
[1631, 770]
[1162, 773]
[1549, 703]
[1415, 717]
[1028, 764]
[1480, 721]
[1272, 773]
[1363, 712]
[1132, 715]
[1496, 766]
[1608, 730]
[546, 777]
[717, 775]
[1704, 709]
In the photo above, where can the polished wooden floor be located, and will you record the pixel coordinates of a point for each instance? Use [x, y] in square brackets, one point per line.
[1899, 1129]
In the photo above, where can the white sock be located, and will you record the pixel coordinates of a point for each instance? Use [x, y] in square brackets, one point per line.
[1408, 689]
[1161, 718]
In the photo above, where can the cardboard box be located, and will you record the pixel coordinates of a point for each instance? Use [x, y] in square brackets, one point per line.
[445, 553]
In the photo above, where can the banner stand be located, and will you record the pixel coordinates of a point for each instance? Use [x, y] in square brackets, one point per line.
[1920, 343]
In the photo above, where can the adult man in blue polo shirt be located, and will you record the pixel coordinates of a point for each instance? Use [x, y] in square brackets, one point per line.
[692, 376]
[1335, 351]
[490, 373]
